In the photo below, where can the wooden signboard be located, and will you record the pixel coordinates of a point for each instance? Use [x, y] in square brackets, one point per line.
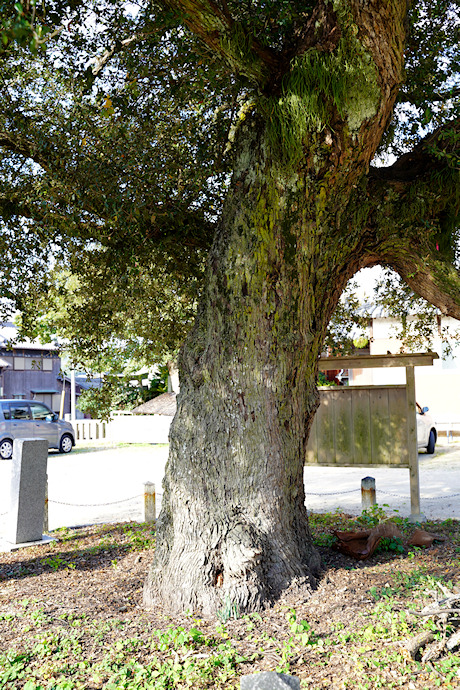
[365, 426]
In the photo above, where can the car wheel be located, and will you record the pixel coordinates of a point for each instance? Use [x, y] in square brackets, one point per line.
[431, 442]
[6, 449]
[66, 444]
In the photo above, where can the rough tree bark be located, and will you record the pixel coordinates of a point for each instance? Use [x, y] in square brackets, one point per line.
[233, 525]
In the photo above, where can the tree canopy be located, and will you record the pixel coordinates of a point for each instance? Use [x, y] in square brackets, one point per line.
[116, 131]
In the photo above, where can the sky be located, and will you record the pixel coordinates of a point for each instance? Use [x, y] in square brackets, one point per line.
[366, 279]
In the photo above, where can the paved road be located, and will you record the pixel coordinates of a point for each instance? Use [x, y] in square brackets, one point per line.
[109, 476]
[104, 475]
[439, 485]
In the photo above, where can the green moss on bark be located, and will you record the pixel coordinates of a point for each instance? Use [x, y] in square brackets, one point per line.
[319, 85]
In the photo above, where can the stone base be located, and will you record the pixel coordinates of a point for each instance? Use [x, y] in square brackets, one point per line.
[7, 546]
[417, 517]
[269, 680]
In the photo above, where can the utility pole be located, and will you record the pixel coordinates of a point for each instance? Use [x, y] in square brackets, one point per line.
[73, 397]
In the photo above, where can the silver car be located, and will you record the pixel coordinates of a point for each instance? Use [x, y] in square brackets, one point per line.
[32, 419]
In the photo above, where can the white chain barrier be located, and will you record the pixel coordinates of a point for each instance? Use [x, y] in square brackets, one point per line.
[307, 493]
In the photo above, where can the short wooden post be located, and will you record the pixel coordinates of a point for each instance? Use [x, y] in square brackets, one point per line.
[149, 502]
[368, 492]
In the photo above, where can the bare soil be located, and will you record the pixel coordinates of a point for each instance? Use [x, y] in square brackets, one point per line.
[96, 574]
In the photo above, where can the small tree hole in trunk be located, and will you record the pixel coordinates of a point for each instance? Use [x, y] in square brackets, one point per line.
[218, 578]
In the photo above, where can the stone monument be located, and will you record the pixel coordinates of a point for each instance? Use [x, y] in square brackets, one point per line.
[27, 493]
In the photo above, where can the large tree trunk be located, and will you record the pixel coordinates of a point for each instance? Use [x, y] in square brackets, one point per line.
[233, 526]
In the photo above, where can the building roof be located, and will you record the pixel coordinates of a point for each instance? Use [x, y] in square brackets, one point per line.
[380, 311]
[8, 332]
[163, 404]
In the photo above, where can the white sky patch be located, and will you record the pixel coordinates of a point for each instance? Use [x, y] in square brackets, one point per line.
[366, 280]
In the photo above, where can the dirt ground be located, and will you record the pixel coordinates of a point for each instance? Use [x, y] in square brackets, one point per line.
[95, 575]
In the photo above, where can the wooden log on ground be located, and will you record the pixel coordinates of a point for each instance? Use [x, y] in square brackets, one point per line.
[415, 643]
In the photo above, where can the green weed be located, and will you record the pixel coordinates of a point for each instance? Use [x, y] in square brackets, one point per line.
[68, 650]
[228, 611]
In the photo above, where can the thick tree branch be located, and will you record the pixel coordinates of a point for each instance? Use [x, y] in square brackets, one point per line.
[436, 281]
[320, 31]
[217, 29]
[436, 152]
[214, 25]
[414, 216]
[429, 276]
[20, 145]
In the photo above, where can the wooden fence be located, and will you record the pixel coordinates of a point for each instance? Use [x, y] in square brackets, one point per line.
[125, 429]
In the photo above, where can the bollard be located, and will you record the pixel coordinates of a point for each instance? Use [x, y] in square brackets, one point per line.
[149, 502]
[368, 492]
